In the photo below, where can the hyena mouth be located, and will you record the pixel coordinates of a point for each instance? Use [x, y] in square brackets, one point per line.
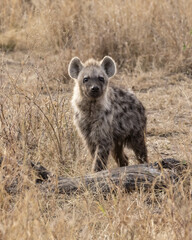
[94, 94]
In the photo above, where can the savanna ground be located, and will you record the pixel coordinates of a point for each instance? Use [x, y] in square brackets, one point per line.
[151, 41]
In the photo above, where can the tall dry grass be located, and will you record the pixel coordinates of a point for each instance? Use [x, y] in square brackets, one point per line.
[142, 34]
[37, 39]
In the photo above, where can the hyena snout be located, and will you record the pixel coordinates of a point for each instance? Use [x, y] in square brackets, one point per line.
[95, 91]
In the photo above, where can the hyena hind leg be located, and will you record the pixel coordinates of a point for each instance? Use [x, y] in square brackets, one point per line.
[119, 156]
[139, 147]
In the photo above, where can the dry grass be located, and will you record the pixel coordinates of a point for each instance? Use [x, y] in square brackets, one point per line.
[139, 34]
[152, 43]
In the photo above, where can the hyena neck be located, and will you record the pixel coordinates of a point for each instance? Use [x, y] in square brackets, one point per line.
[82, 104]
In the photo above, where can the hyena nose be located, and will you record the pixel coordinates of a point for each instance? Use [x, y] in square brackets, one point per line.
[94, 89]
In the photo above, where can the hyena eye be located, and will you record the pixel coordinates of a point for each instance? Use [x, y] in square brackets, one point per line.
[101, 79]
[85, 79]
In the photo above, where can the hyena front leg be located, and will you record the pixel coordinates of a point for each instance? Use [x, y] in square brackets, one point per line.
[101, 155]
[101, 158]
[118, 154]
[92, 148]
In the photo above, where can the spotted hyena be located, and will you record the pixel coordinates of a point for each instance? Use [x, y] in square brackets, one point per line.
[108, 118]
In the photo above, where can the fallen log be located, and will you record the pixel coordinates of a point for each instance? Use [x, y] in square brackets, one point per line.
[157, 176]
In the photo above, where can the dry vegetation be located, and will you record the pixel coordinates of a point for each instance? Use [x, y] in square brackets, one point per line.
[152, 44]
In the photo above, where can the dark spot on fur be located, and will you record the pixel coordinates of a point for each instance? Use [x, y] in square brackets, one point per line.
[115, 107]
[107, 112]
[132, 101]
[101, 143]
[121, 93]
[121, 114]
[131, 132]
[121, 126]
[139, 109]
[125, 109]
[116, 95]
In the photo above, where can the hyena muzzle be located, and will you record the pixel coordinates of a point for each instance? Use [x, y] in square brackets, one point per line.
[108, 118]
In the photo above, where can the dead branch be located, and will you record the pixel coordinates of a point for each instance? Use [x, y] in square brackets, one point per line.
[156, 175]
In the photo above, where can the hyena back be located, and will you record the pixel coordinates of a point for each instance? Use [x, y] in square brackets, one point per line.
[108, 118]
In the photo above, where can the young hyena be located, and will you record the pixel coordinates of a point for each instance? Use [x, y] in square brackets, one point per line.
[108, 118]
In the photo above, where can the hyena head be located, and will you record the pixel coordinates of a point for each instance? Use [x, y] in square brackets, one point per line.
[92, 76]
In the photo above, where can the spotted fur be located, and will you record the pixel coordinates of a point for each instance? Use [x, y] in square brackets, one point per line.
[108, 118]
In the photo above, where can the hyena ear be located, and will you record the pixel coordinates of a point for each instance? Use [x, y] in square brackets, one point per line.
[75, 66]
[109, 66]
